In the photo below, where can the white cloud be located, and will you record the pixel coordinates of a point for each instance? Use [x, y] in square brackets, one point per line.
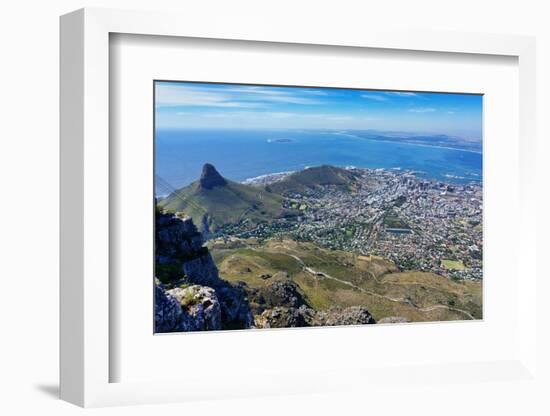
[245, 114]
[290, 99]
[294, 92]
[374, 97]
[402, 93]
[225, 115]
[267, 115]
[280, 114]
[254, 90]
[451, 112]
[340, 118]
[315, 92]
[233, 97]
[384, 95]
[168, 95]
[422, 110]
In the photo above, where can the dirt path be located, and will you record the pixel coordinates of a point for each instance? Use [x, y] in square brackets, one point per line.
[353, 286]
[398, 300]
[432, 308]
[345, 282]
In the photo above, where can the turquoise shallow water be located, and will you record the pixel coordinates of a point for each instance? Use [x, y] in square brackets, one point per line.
[242, 154]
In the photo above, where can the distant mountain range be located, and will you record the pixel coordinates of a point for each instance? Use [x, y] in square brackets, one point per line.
[214, 201]
[436, 140]
[310, 178]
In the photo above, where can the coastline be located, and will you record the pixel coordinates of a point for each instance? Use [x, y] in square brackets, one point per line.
[268, 178]
[247, 157]
[407, 143]
[277, 176]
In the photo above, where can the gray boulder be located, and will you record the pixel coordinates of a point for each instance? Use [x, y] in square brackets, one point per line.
[353, 315]
[202, 270]
[200, 308]
[282, 317]
[279, 290]
[167, 311]
[235, 307]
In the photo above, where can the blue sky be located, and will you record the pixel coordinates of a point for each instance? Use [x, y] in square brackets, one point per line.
[197, 105]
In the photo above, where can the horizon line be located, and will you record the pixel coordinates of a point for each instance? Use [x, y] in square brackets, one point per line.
[465, 137]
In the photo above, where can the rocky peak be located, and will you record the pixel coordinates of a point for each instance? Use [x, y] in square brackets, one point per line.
[210, 177]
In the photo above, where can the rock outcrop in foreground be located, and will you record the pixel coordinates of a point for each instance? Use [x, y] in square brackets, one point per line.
[189, 294]
[167, 311]
[281, 317]
[279, 290]
[281, 304]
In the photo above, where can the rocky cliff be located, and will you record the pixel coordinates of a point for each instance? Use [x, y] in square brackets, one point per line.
[189, 294]
[180, 253]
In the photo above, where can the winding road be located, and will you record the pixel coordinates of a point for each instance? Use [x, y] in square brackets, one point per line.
[398, 300]
[369, 292]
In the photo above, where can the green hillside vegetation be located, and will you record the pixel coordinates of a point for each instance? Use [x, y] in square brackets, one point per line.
[226, 204]
[453, 264]
[214, 202]
[338, 278]
[311, 177]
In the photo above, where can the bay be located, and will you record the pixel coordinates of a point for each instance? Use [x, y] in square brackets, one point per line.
[243, 154]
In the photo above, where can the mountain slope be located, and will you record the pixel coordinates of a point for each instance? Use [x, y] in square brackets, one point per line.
[335, 278]
[214, 201]
[310, 178]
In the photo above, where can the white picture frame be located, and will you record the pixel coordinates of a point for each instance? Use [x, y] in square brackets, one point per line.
[85, 209]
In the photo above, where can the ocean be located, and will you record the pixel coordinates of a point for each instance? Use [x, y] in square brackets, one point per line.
[243, 154]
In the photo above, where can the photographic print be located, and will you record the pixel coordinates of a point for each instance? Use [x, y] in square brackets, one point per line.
[288, 206]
